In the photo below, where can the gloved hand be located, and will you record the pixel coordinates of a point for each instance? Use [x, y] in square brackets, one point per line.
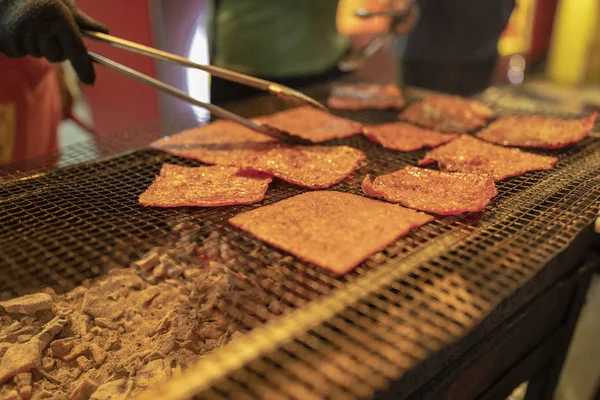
[49, 29]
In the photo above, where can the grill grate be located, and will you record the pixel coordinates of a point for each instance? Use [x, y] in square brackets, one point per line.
[428, 289]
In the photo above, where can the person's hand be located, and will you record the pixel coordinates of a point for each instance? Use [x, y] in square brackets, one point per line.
[49, 29]
[376, 17]
[411, 19]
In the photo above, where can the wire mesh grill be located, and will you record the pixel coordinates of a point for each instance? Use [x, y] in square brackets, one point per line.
[339, 337]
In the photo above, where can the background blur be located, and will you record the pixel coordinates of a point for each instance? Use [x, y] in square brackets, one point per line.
[550, 45]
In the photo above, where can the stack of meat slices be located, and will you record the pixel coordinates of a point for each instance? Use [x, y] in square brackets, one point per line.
[469, 165]
[365, 96]
[401, 136]
[311, 124]
[448, 114]
[442, 193]
[469, 154]
[214, 186]
[537, 132]
[226, 143]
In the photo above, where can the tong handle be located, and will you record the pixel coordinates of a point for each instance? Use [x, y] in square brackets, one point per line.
[261, 84]
[175, 59]
[218, 111]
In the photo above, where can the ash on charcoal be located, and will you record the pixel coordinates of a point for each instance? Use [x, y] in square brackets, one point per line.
[115, 390]
[29, 304]
[115, 336]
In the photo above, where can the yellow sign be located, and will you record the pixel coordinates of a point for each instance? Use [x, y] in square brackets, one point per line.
[572, 40]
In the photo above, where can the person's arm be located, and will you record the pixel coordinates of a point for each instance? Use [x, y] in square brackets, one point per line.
[50, 29]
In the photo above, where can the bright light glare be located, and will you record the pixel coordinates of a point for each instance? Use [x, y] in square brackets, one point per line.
[516, 71]
[515, 76]
[198, 82]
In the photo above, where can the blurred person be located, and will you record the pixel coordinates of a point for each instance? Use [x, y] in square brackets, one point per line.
[451, 45]
[34, 34]
[454, 46]
[292, 42]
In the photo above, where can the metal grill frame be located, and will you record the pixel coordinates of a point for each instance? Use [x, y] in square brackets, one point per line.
[384, 319]
[266, 362]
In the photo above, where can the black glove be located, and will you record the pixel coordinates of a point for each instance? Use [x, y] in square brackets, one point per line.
[49, 29]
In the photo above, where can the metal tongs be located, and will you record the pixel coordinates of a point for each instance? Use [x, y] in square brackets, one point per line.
[356, 59]
[276, 89]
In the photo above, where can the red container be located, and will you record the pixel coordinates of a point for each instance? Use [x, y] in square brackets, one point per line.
[119, 103]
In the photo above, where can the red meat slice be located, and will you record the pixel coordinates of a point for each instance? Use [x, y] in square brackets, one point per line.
[311, 124]
[227, 143]
[178, 186]
[365, 96]
[537, 132]
[443, 193]
[405, 137]
[333, 230]
[468, 154]
[212, 138]
[316, 167]
[448, 114]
